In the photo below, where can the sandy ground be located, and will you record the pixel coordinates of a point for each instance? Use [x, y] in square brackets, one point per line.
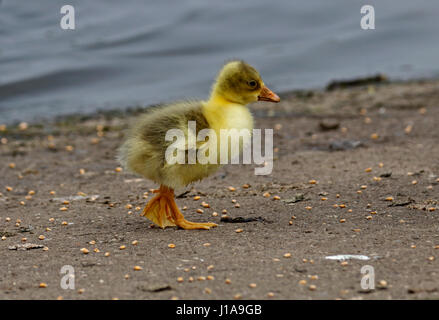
[361, 145]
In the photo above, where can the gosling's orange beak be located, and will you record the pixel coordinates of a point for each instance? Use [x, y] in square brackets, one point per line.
[268, 95]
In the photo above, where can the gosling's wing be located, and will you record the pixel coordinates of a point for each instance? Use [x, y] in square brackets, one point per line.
[189, 125]
[154, 125]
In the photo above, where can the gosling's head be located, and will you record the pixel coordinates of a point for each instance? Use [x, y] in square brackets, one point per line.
[239, 82]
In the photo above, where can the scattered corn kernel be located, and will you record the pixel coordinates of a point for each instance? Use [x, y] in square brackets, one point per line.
[205, 205]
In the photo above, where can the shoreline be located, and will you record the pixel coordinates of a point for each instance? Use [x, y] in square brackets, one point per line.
[338, 84]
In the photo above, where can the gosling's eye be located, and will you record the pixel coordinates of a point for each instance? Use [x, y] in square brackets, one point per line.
[252, 84]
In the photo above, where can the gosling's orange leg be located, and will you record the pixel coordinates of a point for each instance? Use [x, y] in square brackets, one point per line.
[156, 210]
[182, 222]
[163, 211]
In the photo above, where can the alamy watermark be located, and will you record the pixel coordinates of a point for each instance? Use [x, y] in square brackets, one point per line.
[207, 148]
[368, 19]
[368, 278]
[68, 277]
[68, 19]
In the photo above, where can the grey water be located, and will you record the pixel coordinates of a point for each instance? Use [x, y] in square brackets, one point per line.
[136, 53]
